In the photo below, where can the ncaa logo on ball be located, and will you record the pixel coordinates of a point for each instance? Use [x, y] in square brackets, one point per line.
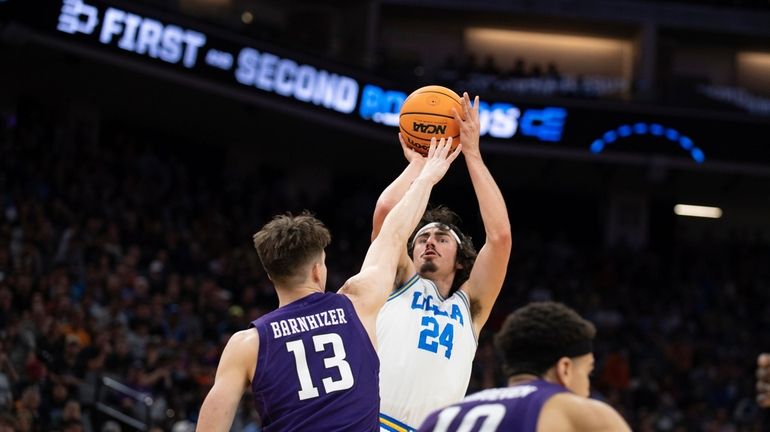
[429, 128]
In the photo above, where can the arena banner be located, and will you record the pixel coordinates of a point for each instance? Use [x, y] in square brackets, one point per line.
[159, 39]
[233, 60]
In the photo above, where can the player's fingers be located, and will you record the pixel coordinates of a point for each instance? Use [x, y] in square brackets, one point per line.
[432, 149]
[409, 152]
[457, 115]
[466, 104]
[440, 148]
[403, 143]
[446, 147]
[455, 153]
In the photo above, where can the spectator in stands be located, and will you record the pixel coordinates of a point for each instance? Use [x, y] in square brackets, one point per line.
[519, 69]
[490, 66]
[763, 380]
[552, 72]
[448, 73]
[8, 378]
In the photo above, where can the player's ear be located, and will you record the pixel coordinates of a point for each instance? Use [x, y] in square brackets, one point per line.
[315, 272]
[564, 371]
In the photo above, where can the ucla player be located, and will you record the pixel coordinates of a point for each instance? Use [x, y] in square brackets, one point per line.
[311, 363]
[547, 352]
[443, 292]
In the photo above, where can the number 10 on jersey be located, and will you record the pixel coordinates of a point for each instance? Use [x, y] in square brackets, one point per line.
[433, 336]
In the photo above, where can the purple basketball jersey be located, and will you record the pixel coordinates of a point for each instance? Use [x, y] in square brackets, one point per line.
[316, 369]
[509, 409]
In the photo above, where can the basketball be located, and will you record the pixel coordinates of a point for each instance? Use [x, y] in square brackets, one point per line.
[427, 113]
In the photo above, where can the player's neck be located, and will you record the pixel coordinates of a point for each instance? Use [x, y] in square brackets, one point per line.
[287, 295]
[514, 380]
[444, 284]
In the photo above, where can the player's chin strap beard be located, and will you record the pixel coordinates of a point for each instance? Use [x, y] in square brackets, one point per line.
[428, 267]
[440, 226]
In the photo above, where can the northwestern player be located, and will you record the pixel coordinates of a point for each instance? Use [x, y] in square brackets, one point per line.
[443, 293]
[547, 353]
[311, 363]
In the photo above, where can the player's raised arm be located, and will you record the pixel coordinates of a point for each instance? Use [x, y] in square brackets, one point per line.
[396, 189]
[370, 287]
[486, 278]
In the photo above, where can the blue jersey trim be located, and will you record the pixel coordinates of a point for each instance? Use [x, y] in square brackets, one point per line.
[388, 423]
[404, 287]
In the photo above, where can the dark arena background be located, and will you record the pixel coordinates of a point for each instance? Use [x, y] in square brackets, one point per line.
[142, 144]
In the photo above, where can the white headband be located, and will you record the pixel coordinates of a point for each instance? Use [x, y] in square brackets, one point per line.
[442, 227]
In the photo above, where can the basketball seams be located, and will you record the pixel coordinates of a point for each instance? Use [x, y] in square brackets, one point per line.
[437, 92]
[436, 89]
[426, 139]
[454, 96]
[426, 113]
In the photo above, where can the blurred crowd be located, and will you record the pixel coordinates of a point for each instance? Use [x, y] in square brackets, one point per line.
[738, 4]
[126, 263]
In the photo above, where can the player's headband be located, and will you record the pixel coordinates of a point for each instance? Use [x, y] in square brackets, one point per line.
[440, 226]
[577, 349]
[539, 357]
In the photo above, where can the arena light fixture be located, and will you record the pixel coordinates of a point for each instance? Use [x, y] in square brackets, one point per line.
[652, 129]
[698, 211]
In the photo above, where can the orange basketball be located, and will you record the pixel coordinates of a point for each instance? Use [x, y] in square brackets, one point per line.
[427, 113]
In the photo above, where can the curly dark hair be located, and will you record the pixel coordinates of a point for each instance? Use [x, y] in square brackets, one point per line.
[466, 253]
[287, 243]
[534, 337]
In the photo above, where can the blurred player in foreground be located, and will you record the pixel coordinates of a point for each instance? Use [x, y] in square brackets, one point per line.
[547, 350]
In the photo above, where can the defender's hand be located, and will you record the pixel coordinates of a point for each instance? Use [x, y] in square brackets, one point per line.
[439, 159]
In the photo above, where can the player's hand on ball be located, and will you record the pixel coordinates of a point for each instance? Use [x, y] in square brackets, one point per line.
[469, 122]
[410, 155]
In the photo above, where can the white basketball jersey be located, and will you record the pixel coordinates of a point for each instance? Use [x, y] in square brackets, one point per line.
[426, 346]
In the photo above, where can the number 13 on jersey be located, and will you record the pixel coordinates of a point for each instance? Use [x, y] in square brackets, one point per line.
[308, 390]
[433, 336]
